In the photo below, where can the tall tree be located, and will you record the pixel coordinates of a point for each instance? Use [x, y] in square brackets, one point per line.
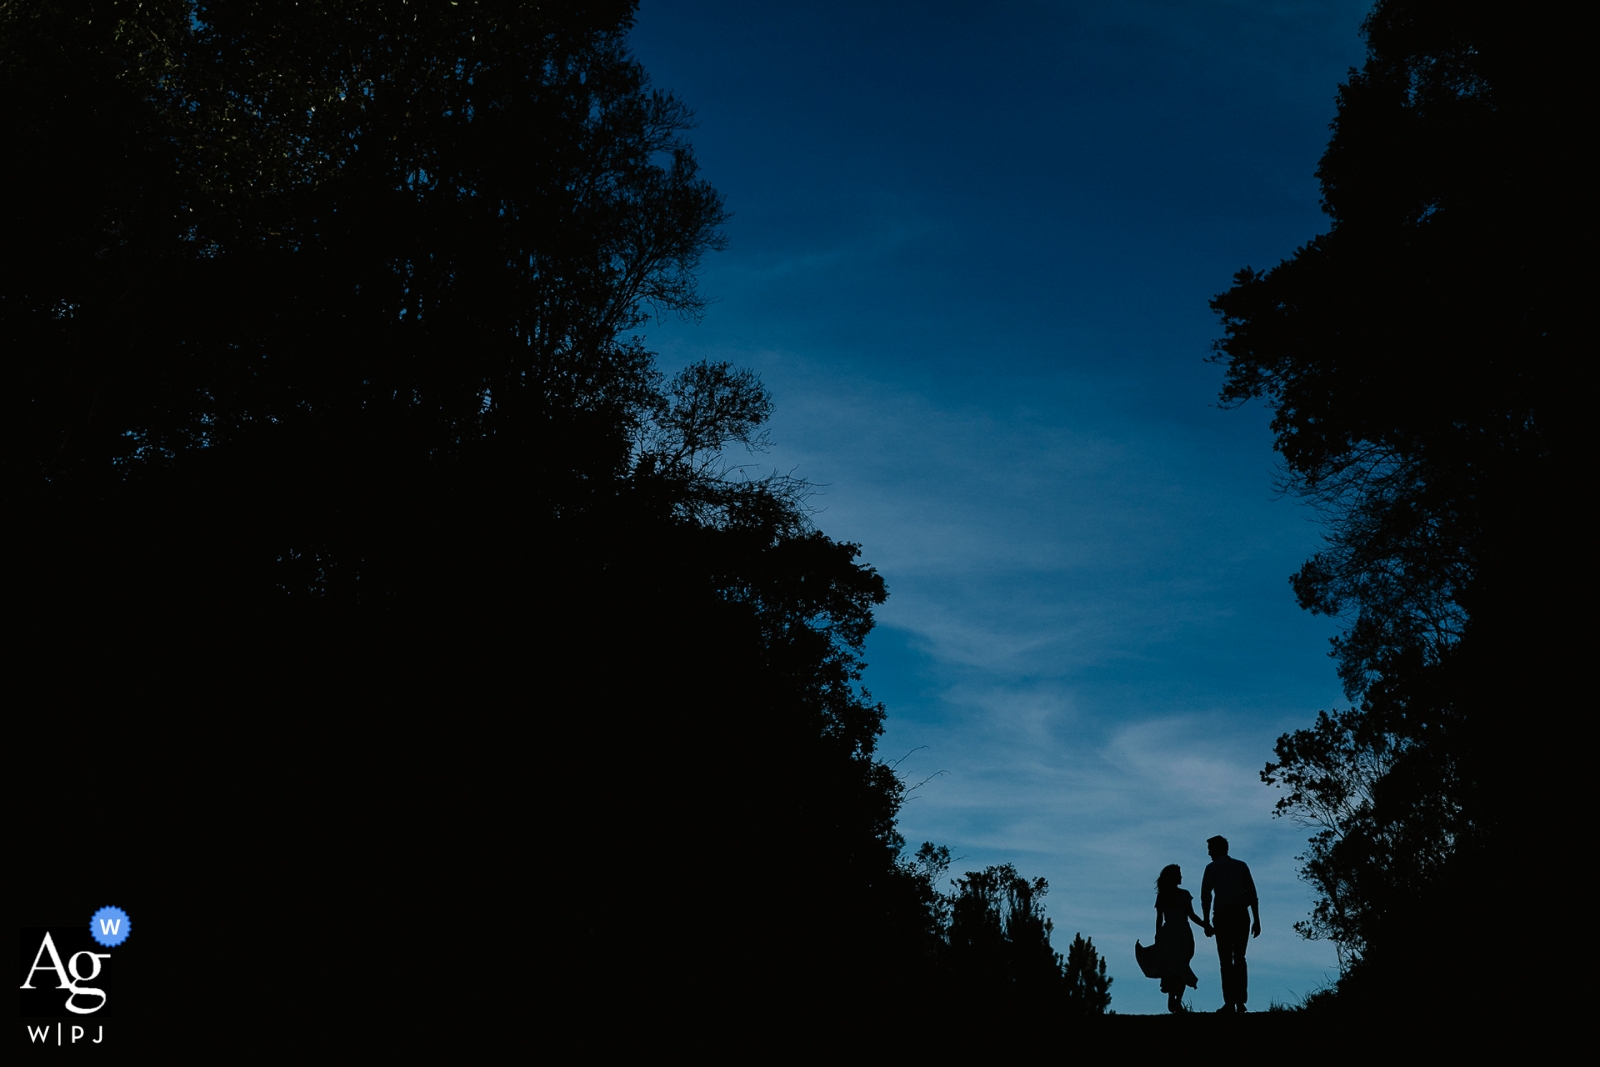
[326, 411]
[1422, 360]
[328, 418]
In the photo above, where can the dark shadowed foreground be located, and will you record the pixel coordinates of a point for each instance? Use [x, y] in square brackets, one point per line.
[458, 663]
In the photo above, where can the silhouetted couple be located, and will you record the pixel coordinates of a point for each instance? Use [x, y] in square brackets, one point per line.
[1227, 882]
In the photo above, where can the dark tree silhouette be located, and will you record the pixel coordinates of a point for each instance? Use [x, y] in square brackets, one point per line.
[325, 407]
[999, 947]
[348, 247]
[998, 932]
[1088, 987]
[326, 417]
[1419, 359]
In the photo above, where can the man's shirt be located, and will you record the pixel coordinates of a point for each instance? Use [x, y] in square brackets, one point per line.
[1229, 880]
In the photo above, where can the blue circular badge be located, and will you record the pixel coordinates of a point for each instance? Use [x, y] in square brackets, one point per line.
[109, 926]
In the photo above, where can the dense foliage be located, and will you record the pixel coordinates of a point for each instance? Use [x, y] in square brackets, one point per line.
[1422, 359]
[997, 937]
[327, 418]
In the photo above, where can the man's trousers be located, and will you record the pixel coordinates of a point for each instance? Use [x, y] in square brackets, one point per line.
[1232, 926]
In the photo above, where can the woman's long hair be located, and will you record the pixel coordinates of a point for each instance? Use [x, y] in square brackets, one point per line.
[1167, 882]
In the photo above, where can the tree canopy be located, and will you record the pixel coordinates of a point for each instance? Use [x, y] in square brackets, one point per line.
[1421, 359]
[328, 411]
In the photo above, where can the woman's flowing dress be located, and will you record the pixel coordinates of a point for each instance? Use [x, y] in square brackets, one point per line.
[1168, 959]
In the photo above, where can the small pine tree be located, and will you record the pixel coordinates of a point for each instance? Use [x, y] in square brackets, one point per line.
[1088, 985]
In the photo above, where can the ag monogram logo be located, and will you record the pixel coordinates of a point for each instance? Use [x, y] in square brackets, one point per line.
[65, 976]
[48, 945]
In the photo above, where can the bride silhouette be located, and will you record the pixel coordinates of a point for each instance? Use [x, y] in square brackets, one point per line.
[1168, 959]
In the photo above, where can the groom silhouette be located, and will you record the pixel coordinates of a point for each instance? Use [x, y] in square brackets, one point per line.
[1235, 891]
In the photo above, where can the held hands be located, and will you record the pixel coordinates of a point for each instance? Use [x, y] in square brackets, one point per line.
[1209, 931]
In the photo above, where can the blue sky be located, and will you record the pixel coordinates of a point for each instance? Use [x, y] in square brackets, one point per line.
[971, 254]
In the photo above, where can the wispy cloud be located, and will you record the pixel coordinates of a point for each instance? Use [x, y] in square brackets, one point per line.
[971, 257]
